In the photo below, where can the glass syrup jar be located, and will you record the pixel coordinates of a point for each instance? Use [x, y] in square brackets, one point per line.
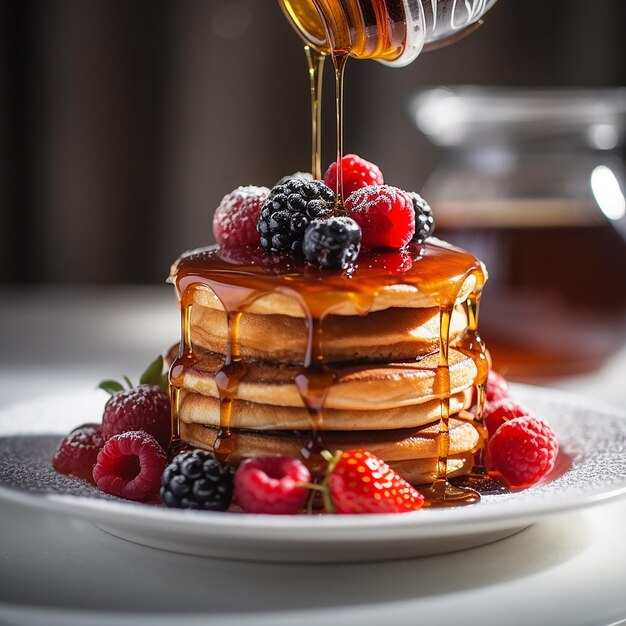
[533, 184]
[390, 31]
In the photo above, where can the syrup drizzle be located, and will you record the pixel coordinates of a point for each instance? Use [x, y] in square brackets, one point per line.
[315, 62]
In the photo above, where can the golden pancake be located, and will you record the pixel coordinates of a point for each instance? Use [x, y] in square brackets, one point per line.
[360, 388]
[198, 409]
[391, 335]
[389, 445]
[424, 471]
[400, 294]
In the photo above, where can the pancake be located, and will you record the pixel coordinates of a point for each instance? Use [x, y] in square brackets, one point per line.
[198, 409]
[389, 296]
[390, 335]
[389, 445]
[364, 387]
[424, 471]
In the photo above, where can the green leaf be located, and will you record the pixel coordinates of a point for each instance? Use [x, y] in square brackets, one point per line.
[153, 374]
[128, 382]
[111, 387]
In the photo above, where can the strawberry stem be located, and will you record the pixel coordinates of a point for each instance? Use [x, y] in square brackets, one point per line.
[332, 460]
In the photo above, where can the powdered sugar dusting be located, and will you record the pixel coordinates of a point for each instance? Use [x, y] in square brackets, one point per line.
[235, 219]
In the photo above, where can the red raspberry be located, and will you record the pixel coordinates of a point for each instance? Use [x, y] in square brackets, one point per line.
[130, 466]
[357, 173]
[269, 485]
[385, 215]
[497, 388]
[77, 453]
[523, 451]
[501, 411]
[144, 408]
[235, 219]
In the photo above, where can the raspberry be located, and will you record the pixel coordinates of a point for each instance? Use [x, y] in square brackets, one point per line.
[501, 411]
[332, 243]
[144, 408]
[357, 173]
[288, 211]
[234, 221]
[77, 453]
[523, 450]
[385, 215]
[497, 388]
[268, 485]
[197, 480]
[424, 220]
[130, 466]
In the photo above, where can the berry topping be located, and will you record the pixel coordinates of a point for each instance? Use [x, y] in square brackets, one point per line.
[235, 219]
[497, 388]
[359, 482]
[130, 466]
[523, 450]
[301, 175]
[357, 173]
[77, 453]
[270, 485]
[385, 215]
[288, 211]
[500, 411]
[146, 408]
[333, 242]
[197, 480]
[424, 220]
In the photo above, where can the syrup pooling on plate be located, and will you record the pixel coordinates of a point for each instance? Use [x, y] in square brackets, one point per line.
[432, 268]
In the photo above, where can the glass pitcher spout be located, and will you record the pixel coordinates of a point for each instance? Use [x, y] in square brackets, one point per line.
[393, 32]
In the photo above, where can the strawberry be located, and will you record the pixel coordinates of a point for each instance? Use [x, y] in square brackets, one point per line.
[359, 482]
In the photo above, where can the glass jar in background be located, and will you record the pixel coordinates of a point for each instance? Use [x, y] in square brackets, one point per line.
[532, 182]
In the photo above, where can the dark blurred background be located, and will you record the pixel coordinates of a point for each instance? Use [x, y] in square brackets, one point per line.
[124, 122]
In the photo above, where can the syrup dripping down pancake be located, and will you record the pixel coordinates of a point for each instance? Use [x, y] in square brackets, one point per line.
[198, 409]
[359, 388]
[390, 445]
[390, 335]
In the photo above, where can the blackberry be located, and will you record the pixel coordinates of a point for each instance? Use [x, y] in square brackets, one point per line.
[424, 219]
[333, 242]
[289, 209]
[197, 480]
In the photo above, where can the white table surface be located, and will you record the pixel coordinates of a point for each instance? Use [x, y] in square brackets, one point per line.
[569, 569]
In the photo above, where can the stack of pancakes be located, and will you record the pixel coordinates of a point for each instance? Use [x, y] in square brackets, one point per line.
[387, 384]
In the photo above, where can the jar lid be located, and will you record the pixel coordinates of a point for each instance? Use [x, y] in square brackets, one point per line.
[453, 116]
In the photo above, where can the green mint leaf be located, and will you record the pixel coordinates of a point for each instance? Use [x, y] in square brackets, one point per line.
[110, 386]
[153, 373]
[128, 382]
[165, 382]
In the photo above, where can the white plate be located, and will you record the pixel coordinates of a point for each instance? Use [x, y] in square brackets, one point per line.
[591, 468]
